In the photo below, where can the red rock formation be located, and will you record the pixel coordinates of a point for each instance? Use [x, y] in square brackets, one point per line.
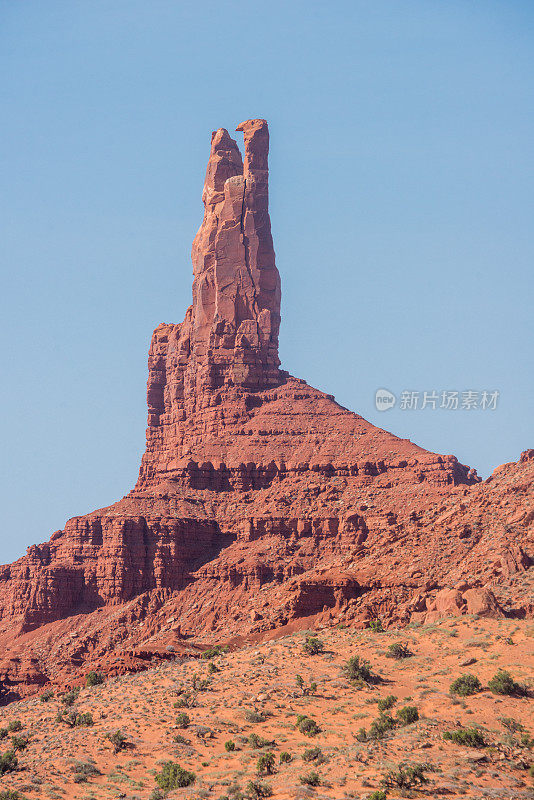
[260, 501]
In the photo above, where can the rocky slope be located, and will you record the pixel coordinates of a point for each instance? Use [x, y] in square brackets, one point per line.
[260, 501]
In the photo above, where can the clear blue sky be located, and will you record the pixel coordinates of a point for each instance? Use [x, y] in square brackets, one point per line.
[401, 203]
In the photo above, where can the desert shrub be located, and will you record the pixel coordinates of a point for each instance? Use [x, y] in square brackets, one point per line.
[285, 757]
[465, 685]
[503, 683]
[385, 703]
[118, 740]
[380, 726]
[358, 670]
[14, 726]
[10, 794]
[407, 715]
[76, 719]
[173, 776]
[84, 770]
[376, 626]
[378, 795]
[94, 679]
[314, 754]
[307, 725]
[229, 746]
[251, 715]
[46, 696]
[3, 733]
[265, 764]
[398, 651]
[313, 646]
[8, 762]
[468, 737]
[306, 690]
[69, 698]
[511, 724]
[182, 721]
[83, 720]
[157, 794]
[405, 776]
[20, 742]
[311, 779]
[255, 790]
[256, 741]
[200, 684]
[187, 700]
[362, 736]
[212, 652]
[212, 668]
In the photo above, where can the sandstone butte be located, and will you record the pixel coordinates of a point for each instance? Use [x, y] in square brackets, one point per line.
[262, 505]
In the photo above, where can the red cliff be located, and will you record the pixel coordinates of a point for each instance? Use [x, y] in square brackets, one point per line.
[260, 501]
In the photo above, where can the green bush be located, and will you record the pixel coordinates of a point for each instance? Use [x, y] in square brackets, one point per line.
[3, 733]
[465, 685]
[407, 715]
[378, 795]
[255, 790]
[229, 746]
[76, 719]
[376, 626]
[405, 776]
[398, 651]
[94, 679]
[265, 764]
[173, 776]
[311, 779]
[313, 646]
[182, 720]
[362, 736]
[84, 720]
[46, 696]
[307, 725]
[306, 690]
[251, 715]
[14, 726]
[256, 741]
[84, 770]
[212, 652]
[358, 670]
[8, 762]
[186, 699]
[285, 757]
[20, 742]
[118, 740]
[314, 754]
[69, 698]
[10, 794]
[468, 737]
[380, 726]
[385, 703]
[503, 683]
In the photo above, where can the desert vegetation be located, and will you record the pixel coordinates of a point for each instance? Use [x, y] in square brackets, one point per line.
[354, 722]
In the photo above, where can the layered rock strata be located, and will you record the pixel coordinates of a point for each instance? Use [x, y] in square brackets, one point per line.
[260, 501]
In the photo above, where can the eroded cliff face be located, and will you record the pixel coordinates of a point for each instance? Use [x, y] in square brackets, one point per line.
[260, 501]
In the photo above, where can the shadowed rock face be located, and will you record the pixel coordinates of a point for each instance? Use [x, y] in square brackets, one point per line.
[252, 479]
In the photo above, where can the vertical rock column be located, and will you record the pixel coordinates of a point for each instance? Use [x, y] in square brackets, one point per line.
[236, 290]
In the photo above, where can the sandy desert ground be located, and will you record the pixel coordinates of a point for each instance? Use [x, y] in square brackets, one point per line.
[254, 692]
